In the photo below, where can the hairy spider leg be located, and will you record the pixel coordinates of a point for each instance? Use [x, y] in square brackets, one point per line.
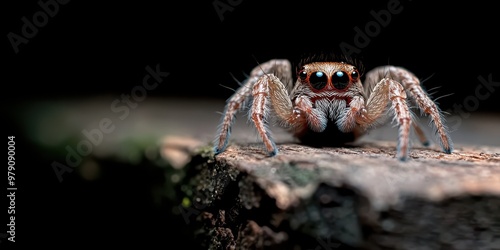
[385, 91]
[237, 101]
[418, 95]
[233, 105]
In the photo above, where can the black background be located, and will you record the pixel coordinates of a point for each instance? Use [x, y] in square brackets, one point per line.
[90, 48]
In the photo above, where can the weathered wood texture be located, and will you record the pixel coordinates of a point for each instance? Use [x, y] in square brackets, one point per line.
[356, 197]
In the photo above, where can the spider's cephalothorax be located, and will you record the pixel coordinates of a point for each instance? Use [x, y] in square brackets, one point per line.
[328, 105]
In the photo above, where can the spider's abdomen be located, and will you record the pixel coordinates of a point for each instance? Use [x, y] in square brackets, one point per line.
[330, 137]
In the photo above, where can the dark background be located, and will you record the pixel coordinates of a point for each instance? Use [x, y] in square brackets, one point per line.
[91, 48]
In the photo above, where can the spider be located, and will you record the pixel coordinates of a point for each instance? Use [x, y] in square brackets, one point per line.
[327, 104]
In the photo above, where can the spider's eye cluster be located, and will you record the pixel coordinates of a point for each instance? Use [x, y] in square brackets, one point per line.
[318, 79]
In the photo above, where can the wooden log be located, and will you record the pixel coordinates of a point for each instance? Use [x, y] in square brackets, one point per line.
[353, 197]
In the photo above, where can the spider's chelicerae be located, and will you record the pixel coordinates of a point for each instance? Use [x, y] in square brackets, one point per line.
[328, 104]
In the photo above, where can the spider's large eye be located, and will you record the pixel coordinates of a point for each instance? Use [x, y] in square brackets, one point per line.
[318, 80]
[340, 80]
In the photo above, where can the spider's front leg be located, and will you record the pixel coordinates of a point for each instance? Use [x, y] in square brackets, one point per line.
[416, 94]
[257, 86]
[234, 104]
[388, 90]
[260, 109]
[393, 84]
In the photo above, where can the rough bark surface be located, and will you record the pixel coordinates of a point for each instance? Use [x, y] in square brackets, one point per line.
[356, 197]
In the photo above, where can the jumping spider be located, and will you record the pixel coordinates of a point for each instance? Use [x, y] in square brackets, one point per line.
[329, 105]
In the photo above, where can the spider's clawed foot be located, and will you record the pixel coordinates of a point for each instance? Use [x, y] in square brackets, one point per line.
[217, 150]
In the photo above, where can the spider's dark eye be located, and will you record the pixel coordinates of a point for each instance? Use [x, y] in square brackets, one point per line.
[302, 75]
[354, 75]
[318, 80]
[340, 80]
